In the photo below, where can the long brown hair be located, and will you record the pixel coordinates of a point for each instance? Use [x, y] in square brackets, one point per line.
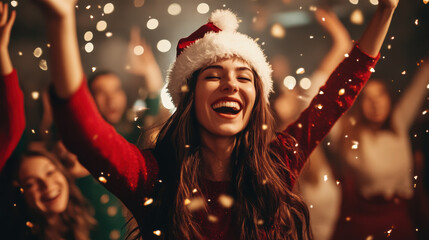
[75, 222]
[264, 202]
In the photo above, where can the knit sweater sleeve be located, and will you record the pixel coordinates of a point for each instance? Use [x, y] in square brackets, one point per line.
[12, 116]
[333, 99]
[119, 165]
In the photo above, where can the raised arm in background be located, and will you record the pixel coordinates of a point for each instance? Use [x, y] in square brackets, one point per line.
[66, 65]
[145, 64]
[12, 119]
[405, 112]
[341, 44]
[307, 130]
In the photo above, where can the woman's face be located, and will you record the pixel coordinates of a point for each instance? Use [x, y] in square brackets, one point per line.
[224, 97]
[45, 187]
[376, 103]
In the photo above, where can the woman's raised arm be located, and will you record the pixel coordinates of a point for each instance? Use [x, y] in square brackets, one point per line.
[66, 66]
[12, 119]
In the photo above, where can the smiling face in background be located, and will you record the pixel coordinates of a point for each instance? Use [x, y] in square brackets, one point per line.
[46, 189]
[224, 97]
[110, 97]
[376, 103]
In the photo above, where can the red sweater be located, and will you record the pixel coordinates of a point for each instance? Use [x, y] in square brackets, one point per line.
[131, 173]
[12, 116]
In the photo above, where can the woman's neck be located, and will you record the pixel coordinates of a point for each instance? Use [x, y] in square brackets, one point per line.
[216, 154]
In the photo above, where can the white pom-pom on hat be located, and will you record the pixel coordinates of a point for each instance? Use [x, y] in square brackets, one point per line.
[225, 20]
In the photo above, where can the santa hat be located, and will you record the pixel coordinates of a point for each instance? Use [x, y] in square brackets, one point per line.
[216, 40]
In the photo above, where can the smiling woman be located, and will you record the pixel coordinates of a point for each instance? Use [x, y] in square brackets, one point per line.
[48, 205]
[218, 170]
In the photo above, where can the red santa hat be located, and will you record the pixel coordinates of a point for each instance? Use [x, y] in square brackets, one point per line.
[216, 40]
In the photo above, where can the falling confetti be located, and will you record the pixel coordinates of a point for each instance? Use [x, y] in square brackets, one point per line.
[356, 17]
[278, 31]
[404, 72]
[148, 202]
[101, 25]
[226, 201]
[355, 145]
[341, 91]
[89, 47]
[29, 224]
[157, 232]
[424, 112]
[88, 36]
[300, 70]
[108, 8]
[35, 95]
[195, 204]
[37, 52]
[102, 179]
[138, 50]
[212, 218]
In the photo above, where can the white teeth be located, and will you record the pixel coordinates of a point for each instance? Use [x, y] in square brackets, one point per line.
[230, 104]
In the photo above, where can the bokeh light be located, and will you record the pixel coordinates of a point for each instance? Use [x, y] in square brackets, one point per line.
[174, 9]
[164, 45]
[152, 23]
[203, 8]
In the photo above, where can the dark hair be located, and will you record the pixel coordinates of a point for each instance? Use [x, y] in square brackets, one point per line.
[258, 177]
[75, 222]
[93, 77]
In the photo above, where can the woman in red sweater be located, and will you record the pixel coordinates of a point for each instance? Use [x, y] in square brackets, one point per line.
[218, 170]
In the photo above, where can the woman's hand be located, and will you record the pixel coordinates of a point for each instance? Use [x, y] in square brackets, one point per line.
[5, 25]
[5, 28]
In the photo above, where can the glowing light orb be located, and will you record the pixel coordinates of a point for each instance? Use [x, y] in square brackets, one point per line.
[14, 3]
[203, 8]
[138, 50]
[305, 83]
[101, 25]
[88, 36]
[163, 45]
[109, 34]
[166, 100]
[354, 2]
[356, 17]
[289, 82]
[37, 52]
[148, 202]
[300, 70]
[152, 23]
[108, 8]
[35, 95]
[174, 9]
[373, 2]
[278, 31]
[89, 47]
[102, 179]
[157, 232]
[43, 65]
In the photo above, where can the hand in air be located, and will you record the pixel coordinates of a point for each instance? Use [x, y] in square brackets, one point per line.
[5, 25]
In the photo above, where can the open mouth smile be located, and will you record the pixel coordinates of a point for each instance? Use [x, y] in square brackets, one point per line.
[227, 106]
